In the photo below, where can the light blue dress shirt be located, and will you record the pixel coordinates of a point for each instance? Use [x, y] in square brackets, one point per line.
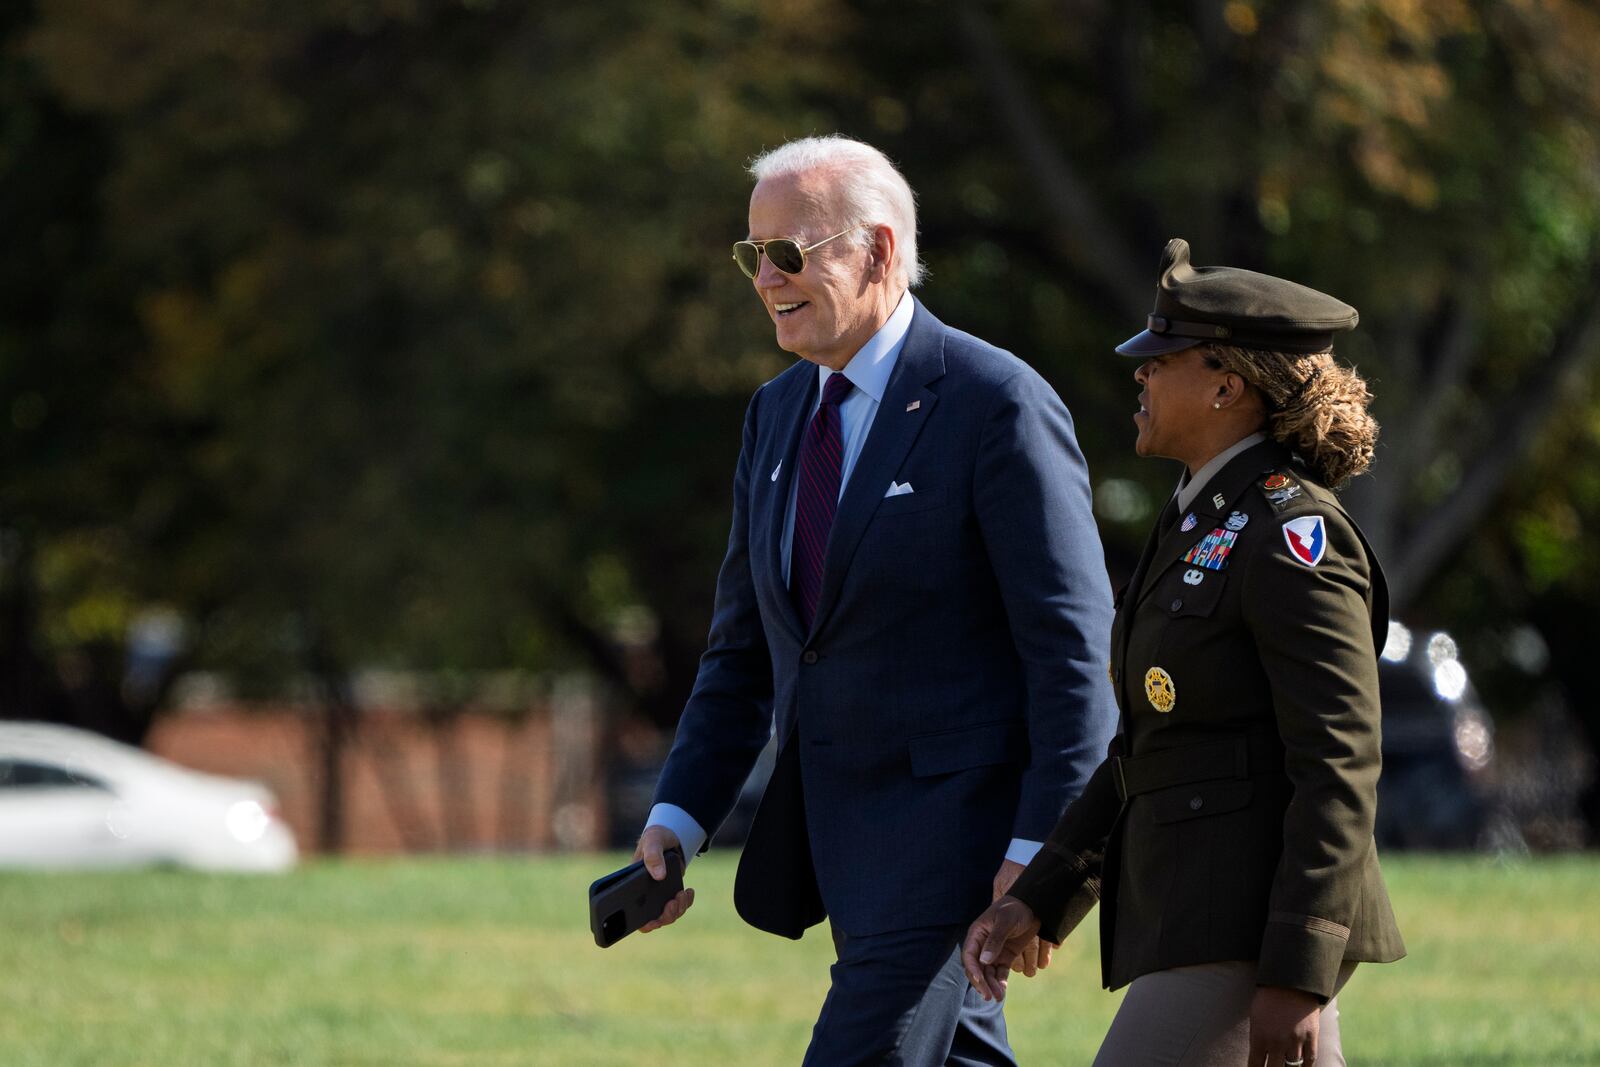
[869, 371]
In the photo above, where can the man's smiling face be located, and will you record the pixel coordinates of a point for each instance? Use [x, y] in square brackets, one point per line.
[831, 308]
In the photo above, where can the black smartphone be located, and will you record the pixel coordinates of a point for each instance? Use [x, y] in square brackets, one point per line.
[625, 900]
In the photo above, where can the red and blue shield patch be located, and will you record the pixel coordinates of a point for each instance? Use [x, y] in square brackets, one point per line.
[1307, 538]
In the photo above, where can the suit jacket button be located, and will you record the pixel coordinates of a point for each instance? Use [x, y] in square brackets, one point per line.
[1195, 803]
[810, 657]
[1177, 604]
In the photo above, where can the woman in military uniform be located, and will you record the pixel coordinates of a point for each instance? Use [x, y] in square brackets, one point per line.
[1228, 837]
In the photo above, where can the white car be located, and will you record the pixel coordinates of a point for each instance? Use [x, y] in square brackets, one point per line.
[70, 798]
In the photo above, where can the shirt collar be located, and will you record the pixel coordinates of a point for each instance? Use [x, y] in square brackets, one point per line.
[1189, 488]
[869, 369]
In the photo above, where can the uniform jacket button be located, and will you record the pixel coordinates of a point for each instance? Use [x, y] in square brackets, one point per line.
[810, 657]
[1177, 604]
[1195, 803]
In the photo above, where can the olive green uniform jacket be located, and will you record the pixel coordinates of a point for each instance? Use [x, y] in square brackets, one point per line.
[1233, 820]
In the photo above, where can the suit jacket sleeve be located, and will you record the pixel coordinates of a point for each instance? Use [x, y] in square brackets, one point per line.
[1062, 883]
[727, 719]
[1313, 631]
[1033, 507]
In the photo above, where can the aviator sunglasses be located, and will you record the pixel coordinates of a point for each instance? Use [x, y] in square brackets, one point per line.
[784, 253]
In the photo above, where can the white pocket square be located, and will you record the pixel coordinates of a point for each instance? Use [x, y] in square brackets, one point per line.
[896, 489]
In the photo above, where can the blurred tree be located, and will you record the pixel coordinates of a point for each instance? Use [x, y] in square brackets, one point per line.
[402, 331]
[1435, 163]
[77, 427]
[439, 293]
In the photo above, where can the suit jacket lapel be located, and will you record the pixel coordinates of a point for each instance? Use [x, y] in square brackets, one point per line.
[894, 430]
[795, 408]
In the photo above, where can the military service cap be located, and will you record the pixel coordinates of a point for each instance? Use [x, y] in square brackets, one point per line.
[1235, 307]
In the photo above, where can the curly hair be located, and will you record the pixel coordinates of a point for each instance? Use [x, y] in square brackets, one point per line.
[1315, 406]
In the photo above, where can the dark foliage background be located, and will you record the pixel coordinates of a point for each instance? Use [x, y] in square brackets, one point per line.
[402, 332]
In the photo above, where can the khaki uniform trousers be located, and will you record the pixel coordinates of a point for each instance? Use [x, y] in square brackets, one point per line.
[1200, 1017]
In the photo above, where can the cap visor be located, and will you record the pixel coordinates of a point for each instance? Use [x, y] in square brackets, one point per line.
[1145, 343]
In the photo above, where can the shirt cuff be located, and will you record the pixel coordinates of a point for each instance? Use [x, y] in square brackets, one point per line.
[690, 834]
[1021, 851]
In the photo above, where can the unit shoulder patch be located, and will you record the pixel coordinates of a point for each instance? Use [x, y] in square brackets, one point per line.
[1307, 538]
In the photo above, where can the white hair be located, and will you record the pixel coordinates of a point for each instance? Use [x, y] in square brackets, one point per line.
[870, 188]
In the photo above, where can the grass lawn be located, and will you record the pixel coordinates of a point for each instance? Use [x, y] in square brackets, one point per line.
[484, 962]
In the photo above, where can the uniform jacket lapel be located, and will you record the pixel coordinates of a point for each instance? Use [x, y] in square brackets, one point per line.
[1228, 483]
[894, 430]
[1129, 600]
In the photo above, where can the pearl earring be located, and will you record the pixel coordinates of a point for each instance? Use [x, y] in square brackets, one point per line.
[1217, 404]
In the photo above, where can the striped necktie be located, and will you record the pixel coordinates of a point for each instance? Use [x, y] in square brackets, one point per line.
[821, 461]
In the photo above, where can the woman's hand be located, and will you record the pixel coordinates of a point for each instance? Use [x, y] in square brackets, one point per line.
[1036, 957]
[997, 939]
[1283, 1027]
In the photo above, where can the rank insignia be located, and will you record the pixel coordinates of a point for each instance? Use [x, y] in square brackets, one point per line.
[1237, 521]
[1159, 691]
[1193, 577]
[1213, 549]
[1307, 539]
[1190, 521]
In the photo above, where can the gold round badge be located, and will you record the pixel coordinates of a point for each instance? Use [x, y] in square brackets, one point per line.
[1158, 689]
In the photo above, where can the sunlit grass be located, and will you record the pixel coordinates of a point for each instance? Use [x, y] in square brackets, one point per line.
[452, 961]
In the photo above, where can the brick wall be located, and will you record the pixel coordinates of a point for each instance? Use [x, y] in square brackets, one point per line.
[476, 783]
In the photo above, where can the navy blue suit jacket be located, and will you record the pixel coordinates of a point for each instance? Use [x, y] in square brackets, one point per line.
[951, 693]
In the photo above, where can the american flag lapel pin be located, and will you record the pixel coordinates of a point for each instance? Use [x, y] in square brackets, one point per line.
[914, 405]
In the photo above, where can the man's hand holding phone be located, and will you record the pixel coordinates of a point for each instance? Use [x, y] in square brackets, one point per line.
[653, 844]
[640, 896]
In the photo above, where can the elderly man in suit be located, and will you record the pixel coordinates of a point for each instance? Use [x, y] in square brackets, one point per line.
[913, 601]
